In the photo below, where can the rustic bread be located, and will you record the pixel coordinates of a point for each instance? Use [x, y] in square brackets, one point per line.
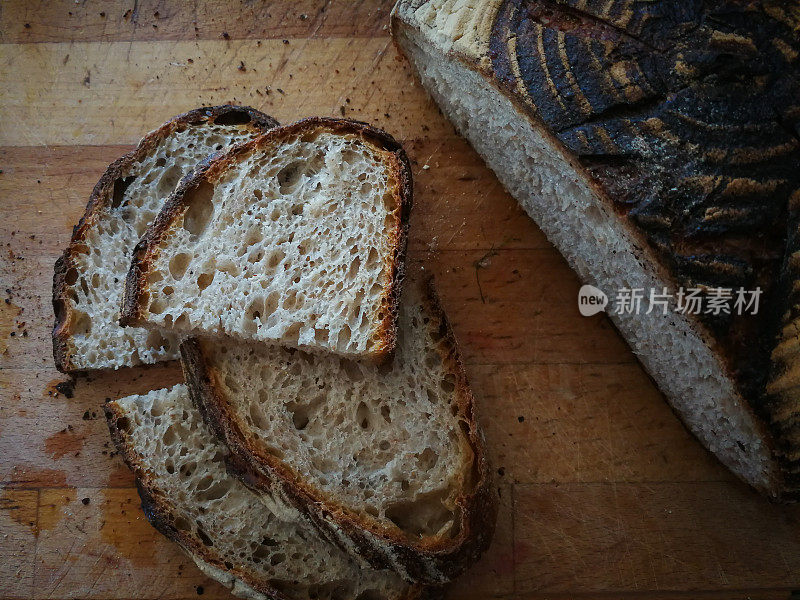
[656, 145]
[388, 459]
[295, 238]
[234, 538]
[89, 276]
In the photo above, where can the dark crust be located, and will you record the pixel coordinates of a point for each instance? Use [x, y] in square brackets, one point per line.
[102, 195]
[373, 542]
[216, 165]
[158, 510]
[775, 480]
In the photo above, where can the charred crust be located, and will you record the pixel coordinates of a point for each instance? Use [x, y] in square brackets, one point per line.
[375, 543]
[102, 196]
[215, 165]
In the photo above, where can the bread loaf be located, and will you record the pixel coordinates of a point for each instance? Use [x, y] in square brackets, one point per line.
[656, 145]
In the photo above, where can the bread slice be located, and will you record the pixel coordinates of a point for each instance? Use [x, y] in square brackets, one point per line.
[387, 459]
[295, 238]
[655, 148]
[255, 550]
[89, 276]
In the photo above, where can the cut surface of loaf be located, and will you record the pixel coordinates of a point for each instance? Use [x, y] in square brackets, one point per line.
[89, 277]
[296, 238]
[653, 145]
[388, 458]
[233, 537]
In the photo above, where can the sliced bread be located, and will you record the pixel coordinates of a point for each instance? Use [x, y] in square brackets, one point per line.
[232, 536]
[388, 459]
[89, 277]
[655, 144]
[295, 238]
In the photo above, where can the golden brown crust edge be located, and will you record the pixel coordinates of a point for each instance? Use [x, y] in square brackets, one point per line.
[147, 248]
[430, 561]
[102, 195]
[775, 485]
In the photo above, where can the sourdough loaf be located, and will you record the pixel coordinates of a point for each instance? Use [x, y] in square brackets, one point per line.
[296, 238]
[89, 277]
[656, 145]
[233, 537]
[389, 459]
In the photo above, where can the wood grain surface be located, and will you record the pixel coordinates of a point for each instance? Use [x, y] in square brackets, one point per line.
[603, 492]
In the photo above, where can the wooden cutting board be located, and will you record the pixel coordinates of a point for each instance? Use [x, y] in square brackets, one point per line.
[603, 493]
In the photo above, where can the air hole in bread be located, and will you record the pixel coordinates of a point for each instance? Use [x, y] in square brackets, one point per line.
[71, 277]
[157, 307]
[156, 340]
[169, 179]
[288, 176]
[178, 265]
[229, 267]
[425, 513]
[204, 538]
[353, 370]
[81, 323]
[390, 200]
[121, 184]
[197, 216]
[257, 416]
[204, 280]
[344, 336]
[428, 459]
[123, 424]
[363, 415]
[293, 333]
[182, 524]
[215, 491]
[302, 413]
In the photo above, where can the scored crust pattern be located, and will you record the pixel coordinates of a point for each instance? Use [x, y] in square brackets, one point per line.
[686, 117]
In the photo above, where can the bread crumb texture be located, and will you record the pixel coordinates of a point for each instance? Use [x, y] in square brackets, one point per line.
[388, 442]
[292, 244]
